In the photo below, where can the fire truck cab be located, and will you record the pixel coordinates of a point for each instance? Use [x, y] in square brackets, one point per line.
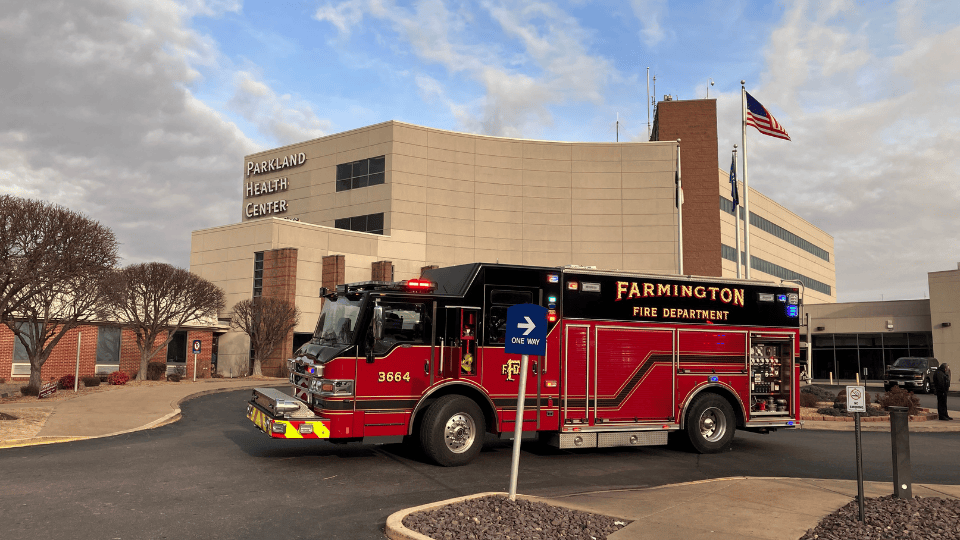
[631, 358]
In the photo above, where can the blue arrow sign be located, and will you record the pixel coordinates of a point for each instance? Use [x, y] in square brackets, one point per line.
[526, 330]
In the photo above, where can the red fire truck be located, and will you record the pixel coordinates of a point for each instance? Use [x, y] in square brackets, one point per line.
[631, 358]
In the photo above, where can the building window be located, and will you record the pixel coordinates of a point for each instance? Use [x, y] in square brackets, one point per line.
[358, 174]
[21, 359]
[370, 223]
[177, 348]
[257, 274]
[767, 226]
[108, 349]
[761, 265]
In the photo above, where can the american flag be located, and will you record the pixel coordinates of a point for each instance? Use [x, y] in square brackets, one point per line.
[759, 117]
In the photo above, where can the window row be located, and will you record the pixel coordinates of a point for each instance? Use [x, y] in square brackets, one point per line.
[363, 173]
[766, 267]
[108, 346]
[370, 223]
[768, 226]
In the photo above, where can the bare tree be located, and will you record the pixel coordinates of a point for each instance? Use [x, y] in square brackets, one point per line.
[53, 262]
[153, 298]
[268, 322]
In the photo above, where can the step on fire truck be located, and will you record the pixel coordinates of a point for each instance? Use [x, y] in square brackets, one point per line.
[631, 358]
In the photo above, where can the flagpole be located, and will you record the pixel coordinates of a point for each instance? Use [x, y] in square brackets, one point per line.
[736, 214]
[746, 186]
[679, 214]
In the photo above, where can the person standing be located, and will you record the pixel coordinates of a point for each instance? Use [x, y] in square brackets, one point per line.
[941, 383]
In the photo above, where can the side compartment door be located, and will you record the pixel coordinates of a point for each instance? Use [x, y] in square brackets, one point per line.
[458, 355]
[633, 380]
[576, 372]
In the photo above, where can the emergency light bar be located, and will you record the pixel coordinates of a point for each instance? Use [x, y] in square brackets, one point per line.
[419, 285]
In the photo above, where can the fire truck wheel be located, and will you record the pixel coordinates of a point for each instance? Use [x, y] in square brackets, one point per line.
[453, 430]
[710, 424]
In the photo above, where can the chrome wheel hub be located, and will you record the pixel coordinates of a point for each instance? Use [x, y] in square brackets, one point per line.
[713, 424]
[459, 433]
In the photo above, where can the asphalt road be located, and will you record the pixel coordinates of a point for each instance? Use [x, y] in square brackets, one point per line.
[212, 475]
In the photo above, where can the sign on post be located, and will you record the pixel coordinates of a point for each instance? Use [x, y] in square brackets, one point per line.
[856, 399]
[196, 346]
[526, 335]
[526, 330]
[47, 389]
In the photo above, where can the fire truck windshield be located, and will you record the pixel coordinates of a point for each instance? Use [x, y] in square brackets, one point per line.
[337, 322]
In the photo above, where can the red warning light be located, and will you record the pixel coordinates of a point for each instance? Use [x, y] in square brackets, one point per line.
[420, 285]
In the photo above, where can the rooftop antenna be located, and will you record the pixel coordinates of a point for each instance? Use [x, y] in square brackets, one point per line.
[648, 103]
[708, 88]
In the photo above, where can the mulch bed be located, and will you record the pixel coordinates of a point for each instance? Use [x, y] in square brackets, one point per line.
[888, 517]
[497, 517]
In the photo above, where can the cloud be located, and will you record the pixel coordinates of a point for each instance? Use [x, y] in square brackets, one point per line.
[278, 117]
[542, 60]
[876, 142]
[650, 12]
[99, 118]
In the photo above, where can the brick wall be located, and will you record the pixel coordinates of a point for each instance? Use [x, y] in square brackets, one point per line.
[381, 271]
[63, 359]
[279, 281]
[694, 122]
[334, 271]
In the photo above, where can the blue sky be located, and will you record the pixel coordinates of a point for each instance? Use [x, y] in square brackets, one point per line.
[139, 112]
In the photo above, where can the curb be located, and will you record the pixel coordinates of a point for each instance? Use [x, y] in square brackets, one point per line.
[162, 421]
[395, 530]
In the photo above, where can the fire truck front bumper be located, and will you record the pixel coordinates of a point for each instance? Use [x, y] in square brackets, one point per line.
[284, 428]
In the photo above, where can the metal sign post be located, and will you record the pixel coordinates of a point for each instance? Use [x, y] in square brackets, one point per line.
[196, 351]
[526, 335]
[857, 403]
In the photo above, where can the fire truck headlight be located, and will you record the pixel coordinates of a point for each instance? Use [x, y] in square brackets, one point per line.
[278, 427]
[335, 387]
[305, 429]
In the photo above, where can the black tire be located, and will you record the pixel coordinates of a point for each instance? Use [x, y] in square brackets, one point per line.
[710, 424]
[453, 430]
[927, 387]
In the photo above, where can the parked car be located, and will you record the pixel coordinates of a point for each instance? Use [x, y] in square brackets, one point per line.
[911, 373]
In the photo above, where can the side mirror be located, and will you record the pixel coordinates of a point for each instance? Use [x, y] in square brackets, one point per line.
[377, 323]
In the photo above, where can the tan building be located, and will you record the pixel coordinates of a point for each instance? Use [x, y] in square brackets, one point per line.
[384, 201]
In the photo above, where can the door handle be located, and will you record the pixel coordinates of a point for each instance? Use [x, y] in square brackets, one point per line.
[426, 367]
[534, 366]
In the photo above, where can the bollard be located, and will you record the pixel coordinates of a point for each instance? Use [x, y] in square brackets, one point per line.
[900, 441]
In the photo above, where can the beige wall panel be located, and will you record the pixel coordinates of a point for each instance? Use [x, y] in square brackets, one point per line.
[408, 222]
[494, 147]
[595, 152]
[463, 255]
[533, 205]
[454, 212]
[608, 220]
[649, 193]
[545, 180]
[356, 243]
[596, 206]
[555, 151]
[596, 167]
[597, 193]
[410, 134]
[597, 233]
[407, 192]
[506, 231]
[596, 180]
[395, 251]
[450, 156]
[654, 233]
[632, 219]
[499, 162]
[409, 179]
[657, 151]
[439, 255]
[411, 150]
[546, 193]
[546, 232]
[649, 180]
[535, 218]
[650, 262]
[450, 141]
[381, 134]
[497, 202]
[554, 258]
[659, 247]
[546, 165]
[594, 247]
[603, 261]
[499, 216]
[463, 227]
[640, 169]
[495, 176]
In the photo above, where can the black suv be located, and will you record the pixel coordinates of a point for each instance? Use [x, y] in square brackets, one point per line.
[911, 373]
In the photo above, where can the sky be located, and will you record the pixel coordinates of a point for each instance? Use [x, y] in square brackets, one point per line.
[139, 112]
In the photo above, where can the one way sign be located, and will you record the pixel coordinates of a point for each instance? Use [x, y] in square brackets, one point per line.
[526, 330]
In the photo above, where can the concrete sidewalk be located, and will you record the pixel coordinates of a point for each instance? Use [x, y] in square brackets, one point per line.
[121, 410]
[725, 508]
